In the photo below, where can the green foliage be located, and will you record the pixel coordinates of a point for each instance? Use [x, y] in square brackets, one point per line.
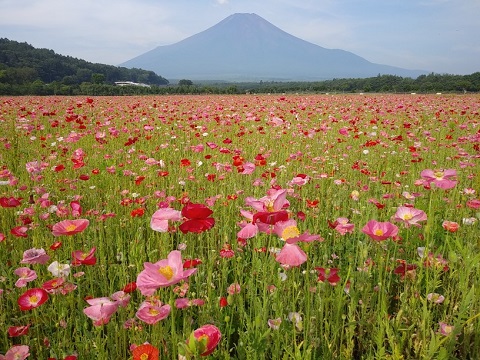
[21, 63]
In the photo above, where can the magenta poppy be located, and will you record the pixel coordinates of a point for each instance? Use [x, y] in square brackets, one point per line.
[69, 227]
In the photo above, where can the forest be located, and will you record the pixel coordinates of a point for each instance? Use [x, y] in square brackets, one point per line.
[25, 70]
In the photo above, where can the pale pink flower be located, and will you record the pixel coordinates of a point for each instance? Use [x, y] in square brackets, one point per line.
[410, 216]
[445, 329]
[35, 256]
[291, 255]
[445, 179]
[343, 226]
[163, 273]
[16, 352]
[160, 218]
[234, 289]
[121, 297]
[274, 323]
[26, 275]
[435, 298]
[152, 311]
[100, 310]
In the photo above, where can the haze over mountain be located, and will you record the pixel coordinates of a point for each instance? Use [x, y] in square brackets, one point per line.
[246, 47]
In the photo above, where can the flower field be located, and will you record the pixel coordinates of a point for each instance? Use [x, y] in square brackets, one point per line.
[240, 227]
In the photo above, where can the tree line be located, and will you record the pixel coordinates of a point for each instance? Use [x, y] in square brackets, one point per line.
[25, 70]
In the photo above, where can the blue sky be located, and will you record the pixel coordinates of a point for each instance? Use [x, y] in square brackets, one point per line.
[442, 36]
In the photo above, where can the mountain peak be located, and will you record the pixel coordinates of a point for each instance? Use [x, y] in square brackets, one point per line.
[246, 47]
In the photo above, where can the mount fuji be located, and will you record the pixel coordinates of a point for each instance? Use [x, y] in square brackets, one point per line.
[246, 47]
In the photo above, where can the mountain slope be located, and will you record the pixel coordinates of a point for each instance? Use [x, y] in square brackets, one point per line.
[247, 47]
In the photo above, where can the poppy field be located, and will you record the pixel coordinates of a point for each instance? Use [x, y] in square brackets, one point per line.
[240, 227]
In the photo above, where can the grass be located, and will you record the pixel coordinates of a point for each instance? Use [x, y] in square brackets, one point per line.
[376, 145]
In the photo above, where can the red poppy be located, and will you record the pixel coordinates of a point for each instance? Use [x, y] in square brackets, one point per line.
[330, 275]
[14, 331]
[32, 298]
[59, 168]
[145, 352]
[130, 287]
[185, 162]
[270, 218]
[197, 218]
[10, 202]
[190, 263]
[19, 231]
[139, 179]
[223, 301]
[137, 212]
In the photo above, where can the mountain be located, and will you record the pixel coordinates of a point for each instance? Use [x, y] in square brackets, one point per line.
[22, 63]
[245, 47]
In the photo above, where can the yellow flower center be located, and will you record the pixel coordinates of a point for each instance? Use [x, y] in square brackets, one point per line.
[144, 356]
[71, 227]
[33, 299]
[407, 216]
[438, 174]
[378, 232]
[290, 232]
[269, 206]
[166, 271]
[153, 311]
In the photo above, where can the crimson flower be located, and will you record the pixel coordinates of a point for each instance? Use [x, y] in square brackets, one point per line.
[10, 202]
[84, 258]
[130, 287]
[330, 275]
[32, 298]
[19, 231]
[197, 218]
[14, 331]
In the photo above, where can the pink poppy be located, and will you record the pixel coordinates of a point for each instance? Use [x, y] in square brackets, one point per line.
[207, 338]
[380, 231]
[291, 255]
[409, 216]
[289, 232]
[445, 179]
[69, 227]
[2, 237]
[275, 200]
[16, 352]
[100, 310]
[35, 256]
[163, 273]
[152, 311]
[32, 298]
[160, 218]
[26, 275]
[474, 204]
[342, 226]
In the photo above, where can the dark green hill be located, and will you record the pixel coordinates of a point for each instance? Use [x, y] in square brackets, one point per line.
[21, 63]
